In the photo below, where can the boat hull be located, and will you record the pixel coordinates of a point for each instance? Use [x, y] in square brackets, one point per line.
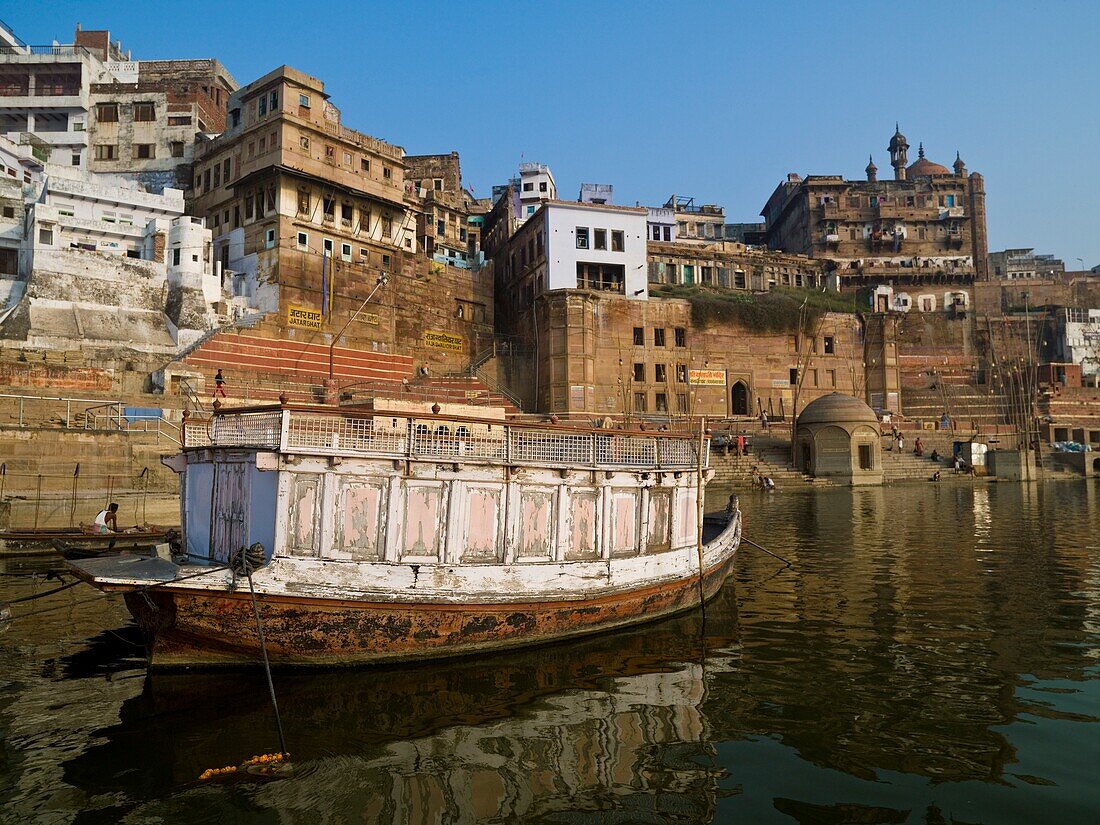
[186, 628]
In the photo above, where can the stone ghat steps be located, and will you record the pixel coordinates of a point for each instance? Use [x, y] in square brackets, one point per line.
[240, 355]
[267, 389]
[106, 460]
[907, 467]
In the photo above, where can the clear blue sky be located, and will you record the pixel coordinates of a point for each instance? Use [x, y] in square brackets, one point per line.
[718, 101]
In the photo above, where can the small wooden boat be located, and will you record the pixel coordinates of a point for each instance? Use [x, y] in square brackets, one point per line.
[86, 545]
[387, 533]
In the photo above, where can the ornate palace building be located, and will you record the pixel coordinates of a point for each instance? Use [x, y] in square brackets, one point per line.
[925, 226]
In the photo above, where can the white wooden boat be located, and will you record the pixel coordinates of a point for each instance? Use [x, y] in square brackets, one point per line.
[403, 534]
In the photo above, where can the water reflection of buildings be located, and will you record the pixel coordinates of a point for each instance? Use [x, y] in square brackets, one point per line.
[629, 746]
[611, 723]
[909, 620]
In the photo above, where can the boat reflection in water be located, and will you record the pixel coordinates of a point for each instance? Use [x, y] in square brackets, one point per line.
[610, 723]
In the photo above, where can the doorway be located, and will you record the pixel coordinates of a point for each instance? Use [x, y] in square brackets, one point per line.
[739, 398]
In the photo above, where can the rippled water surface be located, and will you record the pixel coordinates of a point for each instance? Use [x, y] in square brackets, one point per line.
[931, 656]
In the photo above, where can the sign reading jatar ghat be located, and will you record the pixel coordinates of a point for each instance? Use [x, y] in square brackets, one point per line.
[707, 378]
[442, 340]
[304, 317]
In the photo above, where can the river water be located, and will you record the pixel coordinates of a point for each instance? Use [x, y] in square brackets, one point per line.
[932, 655]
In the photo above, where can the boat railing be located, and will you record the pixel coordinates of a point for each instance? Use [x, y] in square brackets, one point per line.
[444, 438]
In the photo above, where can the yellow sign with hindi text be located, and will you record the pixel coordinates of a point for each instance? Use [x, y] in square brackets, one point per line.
[304, 317]
[707, 378]
[442, 340]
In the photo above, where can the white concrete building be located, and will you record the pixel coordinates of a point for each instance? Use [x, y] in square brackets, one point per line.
[45, 94]
[536, 185]
[661, 224]
[74, 209]
[573, 245]
[1079, 339]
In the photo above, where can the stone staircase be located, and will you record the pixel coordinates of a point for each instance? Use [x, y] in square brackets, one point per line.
[969, 405]
[767, 455]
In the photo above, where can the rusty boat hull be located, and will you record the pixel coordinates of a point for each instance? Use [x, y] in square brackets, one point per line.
[197, 629]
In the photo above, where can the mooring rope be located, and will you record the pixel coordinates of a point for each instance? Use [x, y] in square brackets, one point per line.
[766, 550]
[243, 562]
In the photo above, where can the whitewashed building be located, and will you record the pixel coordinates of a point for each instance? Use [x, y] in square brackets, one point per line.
[573, 245]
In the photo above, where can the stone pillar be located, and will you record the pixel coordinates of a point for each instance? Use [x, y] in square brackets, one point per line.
[979, 242]
[158, 247]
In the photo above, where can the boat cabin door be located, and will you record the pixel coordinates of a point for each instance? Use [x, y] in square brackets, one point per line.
[229, 520]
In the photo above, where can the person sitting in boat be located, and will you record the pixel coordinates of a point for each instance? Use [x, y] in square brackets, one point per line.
[106, 520]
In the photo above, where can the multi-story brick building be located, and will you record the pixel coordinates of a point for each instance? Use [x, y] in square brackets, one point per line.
[1014, 264]
[295, 198]
[144, 118]
[731, 265]
[87, 104]
[444, 229]
[927, 225]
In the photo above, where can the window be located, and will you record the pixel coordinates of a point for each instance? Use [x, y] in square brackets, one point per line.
[681, 402]
[76, 160]
[269, 238]
[668, 233]
[106, 112]
[346, 213]
[329, 208]
[345, 251]
[639, 336]
[248, 207]
[830, 345]
[273, 100]
[660, 373]
[261, 106]
[582, 237]
[542, 186]
[387, 226]
[176, 148]
[234, 119]
[347, 158]
[599, 239]
[303, 101]
[659, 337]
[45, 235]
[528, 187]
[530, 210]
[330, 152]
[228, 167]
[681, 373]
[616, 240]
[106, 151]
[175, 257]
[656, 233]
[437, 184]
[639, 372]
[440, 228]
[327, 246]
[602, 277]
[303, 141]
[303, 241]
[144, 151]
[681, 337]
[639, 402]
[144, 112]
[206, 181]
[179, 120]
[364, 164]
[866, 460]
[78, 125]
[660, 402]
[830, 376]
[793, 376]
[9, 211]
[303, 201]
[385, 260]
[387, 173]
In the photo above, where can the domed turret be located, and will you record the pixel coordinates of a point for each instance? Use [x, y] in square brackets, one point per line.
[899, 153]
[872, 170]
[960, 167]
